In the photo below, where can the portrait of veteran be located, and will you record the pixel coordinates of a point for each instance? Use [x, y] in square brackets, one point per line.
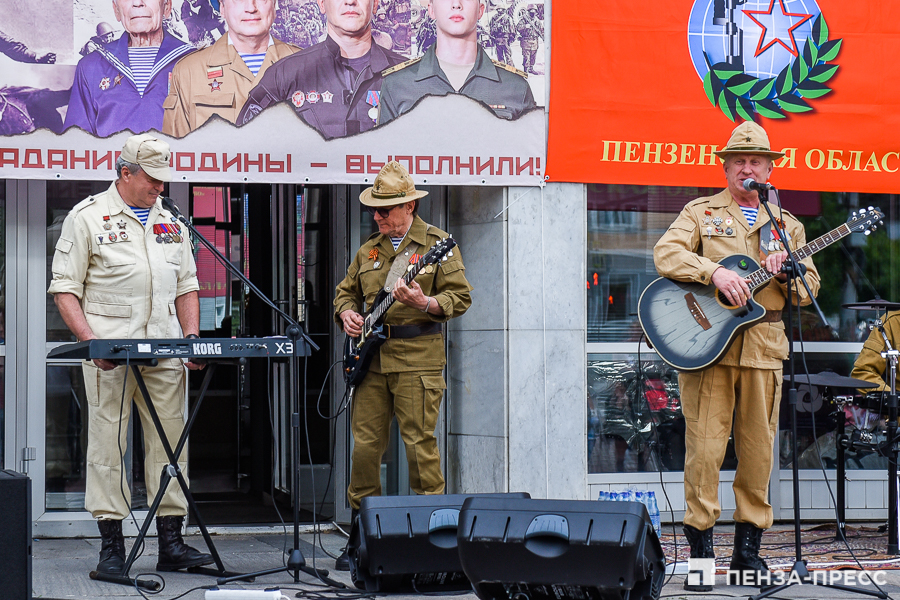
[123, 269]
[405, 377]
[333, 85]
[217, 79]
[123, 84]
[456, 63]
[744, 388]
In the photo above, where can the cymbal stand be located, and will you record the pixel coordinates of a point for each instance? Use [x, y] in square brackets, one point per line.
[891, 356]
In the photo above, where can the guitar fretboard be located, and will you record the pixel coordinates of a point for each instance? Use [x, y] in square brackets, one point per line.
[378, 312]
[762, 276]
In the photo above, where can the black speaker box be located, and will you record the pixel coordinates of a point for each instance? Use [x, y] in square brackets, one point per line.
[513, 549]
[15, 543]
[409, 543]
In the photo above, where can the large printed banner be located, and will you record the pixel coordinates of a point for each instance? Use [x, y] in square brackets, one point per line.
[307, 91]
[645, 93]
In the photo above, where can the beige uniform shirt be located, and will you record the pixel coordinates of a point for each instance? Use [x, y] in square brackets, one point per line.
[447, 284]
[213, 81]
[869, 365]
[691, 249]
[126, 276]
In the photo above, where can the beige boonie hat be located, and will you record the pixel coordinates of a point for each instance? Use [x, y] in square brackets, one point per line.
[749, 138]
[393, 186]
[150, 153]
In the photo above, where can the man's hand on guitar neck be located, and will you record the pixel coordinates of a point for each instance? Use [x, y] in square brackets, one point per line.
[773, 265]
[353, 323]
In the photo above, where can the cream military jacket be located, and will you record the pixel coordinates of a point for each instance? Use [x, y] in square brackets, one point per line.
[869, 365]
[213, 81]
[125, 275]
[690, 249]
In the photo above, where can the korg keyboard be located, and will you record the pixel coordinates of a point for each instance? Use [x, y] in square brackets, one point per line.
[208, 348]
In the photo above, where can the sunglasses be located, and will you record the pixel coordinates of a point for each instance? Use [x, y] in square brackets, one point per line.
[382, 212]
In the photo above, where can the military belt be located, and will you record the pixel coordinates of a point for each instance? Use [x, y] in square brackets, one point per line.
[411, 331]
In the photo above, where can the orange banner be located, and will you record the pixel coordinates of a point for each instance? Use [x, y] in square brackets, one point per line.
[644, 93]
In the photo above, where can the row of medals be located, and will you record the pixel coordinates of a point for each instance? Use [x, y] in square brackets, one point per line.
[162, 238]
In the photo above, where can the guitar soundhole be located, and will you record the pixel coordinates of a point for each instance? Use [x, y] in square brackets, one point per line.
[724, 299]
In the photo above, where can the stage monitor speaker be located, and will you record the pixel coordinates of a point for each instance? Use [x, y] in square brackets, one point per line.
[513, 549]
[409, 543]
[15, 543]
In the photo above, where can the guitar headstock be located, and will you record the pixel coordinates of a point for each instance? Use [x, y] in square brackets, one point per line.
[865, 220]
[438, 251]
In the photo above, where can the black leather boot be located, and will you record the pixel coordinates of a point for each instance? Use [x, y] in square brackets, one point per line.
[747, 540]
[174, 554]
[342, 563]
[112, 548]
[701, 543]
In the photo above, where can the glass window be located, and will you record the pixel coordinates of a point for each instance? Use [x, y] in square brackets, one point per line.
[624, 224]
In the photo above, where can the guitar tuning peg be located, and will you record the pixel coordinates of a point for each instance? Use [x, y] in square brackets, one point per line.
[871, 208]
[867, 232]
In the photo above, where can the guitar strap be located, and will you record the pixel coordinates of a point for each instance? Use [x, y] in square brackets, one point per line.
[398, 267]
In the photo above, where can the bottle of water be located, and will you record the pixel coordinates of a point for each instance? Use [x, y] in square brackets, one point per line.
[653, 508]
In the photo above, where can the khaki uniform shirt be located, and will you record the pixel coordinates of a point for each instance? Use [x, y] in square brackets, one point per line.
[213, 81]
[688, 251]
[447, 285]
[869, 365]
[127, 280]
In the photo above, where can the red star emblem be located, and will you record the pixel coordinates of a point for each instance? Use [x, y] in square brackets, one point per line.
[762, 46]
[215, 85]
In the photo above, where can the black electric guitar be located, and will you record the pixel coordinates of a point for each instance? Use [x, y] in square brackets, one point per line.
[359, 351]
[692, 325]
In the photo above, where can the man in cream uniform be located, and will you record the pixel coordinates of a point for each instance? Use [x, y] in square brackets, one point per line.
[218, 79]
[123, 268]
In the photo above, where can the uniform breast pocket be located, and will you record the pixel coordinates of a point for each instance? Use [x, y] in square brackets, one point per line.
[116, 253]
[208, 105]
[719, 246]
[370, 279]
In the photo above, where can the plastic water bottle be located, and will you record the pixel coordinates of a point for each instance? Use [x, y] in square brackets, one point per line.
[653, 508]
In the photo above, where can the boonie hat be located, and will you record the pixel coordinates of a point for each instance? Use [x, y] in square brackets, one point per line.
[150, 153]
[393, 186]
[749, 138]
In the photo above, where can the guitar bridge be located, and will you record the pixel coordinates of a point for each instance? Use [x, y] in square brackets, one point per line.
[697, 312]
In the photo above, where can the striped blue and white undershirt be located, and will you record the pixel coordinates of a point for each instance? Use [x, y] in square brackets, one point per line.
[253, 61]
[396, 241]
[750, 214]
[141, 61]
[142, 214]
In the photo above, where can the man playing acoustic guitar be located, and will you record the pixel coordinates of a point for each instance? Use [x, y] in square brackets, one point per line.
[743, 388]
[404, 377]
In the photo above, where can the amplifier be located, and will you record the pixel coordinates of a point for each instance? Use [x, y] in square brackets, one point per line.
[15, 543]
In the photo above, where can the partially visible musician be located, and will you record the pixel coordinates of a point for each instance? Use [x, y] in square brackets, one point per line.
[870, 365]
[124, 269]
[405, 377]
[742, 389]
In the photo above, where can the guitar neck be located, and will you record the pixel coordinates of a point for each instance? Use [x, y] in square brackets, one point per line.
[762, 276]
[382, 307]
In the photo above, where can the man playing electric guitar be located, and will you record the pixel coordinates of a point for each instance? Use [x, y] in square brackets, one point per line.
[405, 376]
[744, 387]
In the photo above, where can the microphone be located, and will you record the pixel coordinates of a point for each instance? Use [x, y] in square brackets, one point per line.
[749, 185]
[169, 205]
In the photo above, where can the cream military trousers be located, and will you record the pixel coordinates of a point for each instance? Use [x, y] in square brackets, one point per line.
[711, 400]
[108, 495]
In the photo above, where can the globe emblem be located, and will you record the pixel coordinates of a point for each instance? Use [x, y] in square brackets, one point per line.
[761, 36]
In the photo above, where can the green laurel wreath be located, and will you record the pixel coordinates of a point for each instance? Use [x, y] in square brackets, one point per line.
[738, 94]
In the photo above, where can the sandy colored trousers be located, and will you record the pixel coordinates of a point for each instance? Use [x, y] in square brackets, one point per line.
[415, 398]
[108, 495]
[711, 400]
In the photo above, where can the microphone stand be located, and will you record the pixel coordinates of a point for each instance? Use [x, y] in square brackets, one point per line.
[799, 567]
[296, 562]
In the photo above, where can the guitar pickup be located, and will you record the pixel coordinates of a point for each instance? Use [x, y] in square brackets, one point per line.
[697, 312]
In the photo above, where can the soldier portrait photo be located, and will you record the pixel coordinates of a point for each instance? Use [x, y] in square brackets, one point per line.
[456, 63]
[217, 79]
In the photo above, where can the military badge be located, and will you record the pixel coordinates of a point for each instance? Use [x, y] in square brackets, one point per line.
[215, 85]
[326, 97]
[112, 236]
[121, 224]
[373, 254]
[118, 79]
[298, 98]
[373, 97]
[213, 72]
[312, 96]
[104, 83]
[414, 259]
[123, 236]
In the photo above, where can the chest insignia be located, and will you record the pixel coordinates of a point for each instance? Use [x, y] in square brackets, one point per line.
[104, 84]
[312, 96]
[213, 72]
[373, 254]
[327, 97]
[215, 85]
[118, 80]
[298, 98]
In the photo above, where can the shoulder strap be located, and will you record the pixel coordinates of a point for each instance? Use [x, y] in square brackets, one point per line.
[398, 267]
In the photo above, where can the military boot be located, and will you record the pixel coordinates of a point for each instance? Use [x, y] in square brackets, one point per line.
[745, 558]
[701, 543]
[342, 563]
[112, 547]
[174, 554]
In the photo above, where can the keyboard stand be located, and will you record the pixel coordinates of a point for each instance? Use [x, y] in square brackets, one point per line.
[169, 472]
